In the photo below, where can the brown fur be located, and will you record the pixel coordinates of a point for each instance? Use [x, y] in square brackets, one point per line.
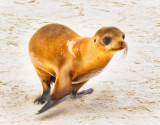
[50, 55]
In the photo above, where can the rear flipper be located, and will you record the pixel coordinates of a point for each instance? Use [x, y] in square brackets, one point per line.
[46, 79]
[52, 79]
[44, 97]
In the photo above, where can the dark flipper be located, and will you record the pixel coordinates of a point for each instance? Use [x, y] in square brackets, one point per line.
[51, 104]
[44, 97]
[82, 93]
[52, 79]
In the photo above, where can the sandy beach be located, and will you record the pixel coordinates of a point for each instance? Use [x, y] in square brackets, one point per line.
[127, 92]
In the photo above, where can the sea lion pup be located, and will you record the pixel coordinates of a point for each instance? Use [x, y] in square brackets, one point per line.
[62, 56]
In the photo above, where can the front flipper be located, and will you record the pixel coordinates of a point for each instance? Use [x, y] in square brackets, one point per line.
[51, 103]
[62, 88]
[82, 93]
[75, 89]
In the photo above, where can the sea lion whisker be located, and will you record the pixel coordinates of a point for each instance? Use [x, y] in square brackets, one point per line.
[125, 52]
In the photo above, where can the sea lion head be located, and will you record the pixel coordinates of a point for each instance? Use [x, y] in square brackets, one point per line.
[110, 38]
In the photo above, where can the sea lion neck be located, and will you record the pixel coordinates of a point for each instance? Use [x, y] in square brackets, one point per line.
[93, 53]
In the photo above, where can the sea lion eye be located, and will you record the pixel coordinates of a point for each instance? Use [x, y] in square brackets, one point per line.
[107, 40]
[123, 36]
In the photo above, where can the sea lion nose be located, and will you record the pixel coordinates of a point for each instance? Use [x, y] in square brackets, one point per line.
[121, 42]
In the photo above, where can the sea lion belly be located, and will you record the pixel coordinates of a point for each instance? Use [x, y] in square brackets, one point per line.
[87, 76]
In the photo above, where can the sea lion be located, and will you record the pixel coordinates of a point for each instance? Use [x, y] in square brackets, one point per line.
[62, 56]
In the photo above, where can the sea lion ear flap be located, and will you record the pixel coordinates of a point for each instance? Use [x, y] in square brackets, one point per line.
[95, 39]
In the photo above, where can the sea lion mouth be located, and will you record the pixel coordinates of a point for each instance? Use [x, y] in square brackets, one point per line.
[122, 46]
[118, 49]
[125, 50]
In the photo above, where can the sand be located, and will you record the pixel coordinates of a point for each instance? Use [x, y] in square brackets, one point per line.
[127, 92]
